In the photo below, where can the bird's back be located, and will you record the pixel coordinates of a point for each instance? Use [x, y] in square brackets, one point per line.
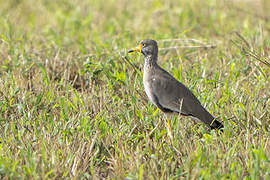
[172, 93]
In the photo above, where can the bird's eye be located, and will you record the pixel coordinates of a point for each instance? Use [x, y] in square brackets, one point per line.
[143, 44]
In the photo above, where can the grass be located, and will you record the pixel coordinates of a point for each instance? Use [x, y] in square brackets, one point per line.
[72, 107]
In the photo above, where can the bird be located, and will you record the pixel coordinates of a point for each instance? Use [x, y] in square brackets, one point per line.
[166, 92]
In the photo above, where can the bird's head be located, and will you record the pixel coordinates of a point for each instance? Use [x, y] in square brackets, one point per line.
[147, 47]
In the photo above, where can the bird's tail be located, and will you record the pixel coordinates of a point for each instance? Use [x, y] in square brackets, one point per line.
[216, 124]
[204, 116]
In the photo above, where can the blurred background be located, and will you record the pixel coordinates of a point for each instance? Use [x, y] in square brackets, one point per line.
[82, 23]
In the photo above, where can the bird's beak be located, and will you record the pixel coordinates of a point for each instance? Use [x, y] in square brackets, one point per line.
[136, 49]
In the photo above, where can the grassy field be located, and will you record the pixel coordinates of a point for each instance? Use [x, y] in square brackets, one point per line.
[71, 105]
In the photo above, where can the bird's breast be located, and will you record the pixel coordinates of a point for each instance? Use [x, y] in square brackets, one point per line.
[147, 80]
[147, 88]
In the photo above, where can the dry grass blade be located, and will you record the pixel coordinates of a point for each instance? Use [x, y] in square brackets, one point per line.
[245, 47]
[188, 47]
[186, 44]
[181, 40]
[242, 39]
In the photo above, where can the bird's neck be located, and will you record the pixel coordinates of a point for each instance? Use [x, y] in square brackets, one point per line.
[150, 60]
